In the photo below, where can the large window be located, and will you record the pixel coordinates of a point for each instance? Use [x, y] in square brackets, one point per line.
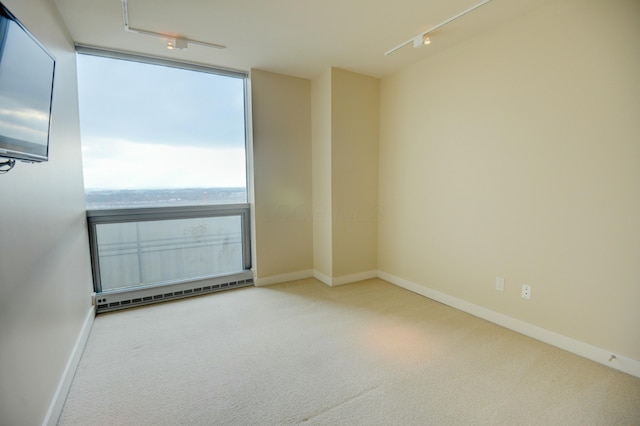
[159, 135]
[164, 157]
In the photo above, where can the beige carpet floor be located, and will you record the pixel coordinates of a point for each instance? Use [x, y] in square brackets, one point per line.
[368, 353]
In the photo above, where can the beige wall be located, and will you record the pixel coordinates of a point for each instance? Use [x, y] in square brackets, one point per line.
[321, 164]
[345, 113]
[282, 173]
[517, 154]
[45, 275]
[354, 172]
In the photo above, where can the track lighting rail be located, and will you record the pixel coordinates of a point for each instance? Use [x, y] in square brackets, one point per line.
[421, 38]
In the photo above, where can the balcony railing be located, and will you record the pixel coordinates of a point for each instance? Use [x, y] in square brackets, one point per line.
[146, 252]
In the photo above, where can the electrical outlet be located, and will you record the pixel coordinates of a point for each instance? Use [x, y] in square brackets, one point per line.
[499, 284]
[526, 291]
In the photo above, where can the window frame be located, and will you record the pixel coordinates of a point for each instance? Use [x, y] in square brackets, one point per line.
[108, 299]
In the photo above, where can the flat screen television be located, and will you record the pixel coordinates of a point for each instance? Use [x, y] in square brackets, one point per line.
[26, 89]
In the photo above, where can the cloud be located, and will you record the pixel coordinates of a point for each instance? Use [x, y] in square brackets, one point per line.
[161, 105]
[122, 164]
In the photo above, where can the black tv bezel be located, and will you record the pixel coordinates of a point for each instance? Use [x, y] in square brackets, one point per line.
[18, 154]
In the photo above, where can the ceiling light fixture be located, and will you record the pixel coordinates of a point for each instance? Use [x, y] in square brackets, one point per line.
[173, 41]
[178, 43]
[423, 38]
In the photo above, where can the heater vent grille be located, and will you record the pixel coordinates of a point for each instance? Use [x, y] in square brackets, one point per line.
[112, 302]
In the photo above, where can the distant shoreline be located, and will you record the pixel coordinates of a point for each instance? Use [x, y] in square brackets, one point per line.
[123, 198]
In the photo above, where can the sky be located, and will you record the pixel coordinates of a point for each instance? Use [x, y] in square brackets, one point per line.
[146, 126]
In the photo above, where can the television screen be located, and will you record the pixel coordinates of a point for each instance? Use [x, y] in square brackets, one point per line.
[26, 89]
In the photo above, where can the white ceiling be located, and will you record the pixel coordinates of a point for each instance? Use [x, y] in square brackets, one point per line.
[295, 37]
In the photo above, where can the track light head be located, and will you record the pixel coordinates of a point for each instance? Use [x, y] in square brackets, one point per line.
[179, 43]
[421, 40]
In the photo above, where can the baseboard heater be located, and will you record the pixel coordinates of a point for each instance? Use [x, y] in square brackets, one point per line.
[114, 300]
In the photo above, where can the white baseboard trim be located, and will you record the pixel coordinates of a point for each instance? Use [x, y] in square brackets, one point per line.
[577, 347]
[344, 279]
[322, 277]
[283, 278]
[60, 396]
[348, 279]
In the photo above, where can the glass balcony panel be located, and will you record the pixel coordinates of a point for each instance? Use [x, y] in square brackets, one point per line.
[135, 254]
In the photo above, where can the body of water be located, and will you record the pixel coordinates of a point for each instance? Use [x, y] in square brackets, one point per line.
[135, 198]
